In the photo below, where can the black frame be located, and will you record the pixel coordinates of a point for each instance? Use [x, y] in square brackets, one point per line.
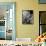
[31, 11]
[41, 2]
[39, 21]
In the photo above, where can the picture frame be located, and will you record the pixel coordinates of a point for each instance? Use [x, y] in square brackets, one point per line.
[27, 17]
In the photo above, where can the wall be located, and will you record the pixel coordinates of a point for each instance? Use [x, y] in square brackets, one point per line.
[28, 31]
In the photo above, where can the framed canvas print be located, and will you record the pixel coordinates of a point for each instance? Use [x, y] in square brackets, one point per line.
[42, 22]
[27, 17]
[42, 1]
[7, 20]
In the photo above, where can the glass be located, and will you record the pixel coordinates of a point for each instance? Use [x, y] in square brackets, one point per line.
[7, 24]
[43, 29]
[42, 1]
[42, 22]
[42, 17]
[2, 35]
[9, 34]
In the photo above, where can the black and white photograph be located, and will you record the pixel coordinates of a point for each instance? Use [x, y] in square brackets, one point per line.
[27, 17]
